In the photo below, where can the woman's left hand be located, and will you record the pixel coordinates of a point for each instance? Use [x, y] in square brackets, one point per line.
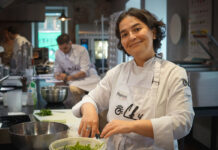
[116, 127]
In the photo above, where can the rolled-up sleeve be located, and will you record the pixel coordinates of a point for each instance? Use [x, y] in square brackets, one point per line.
[179, 116]
[57, 66]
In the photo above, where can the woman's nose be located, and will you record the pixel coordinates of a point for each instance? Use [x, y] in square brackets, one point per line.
[132, 35]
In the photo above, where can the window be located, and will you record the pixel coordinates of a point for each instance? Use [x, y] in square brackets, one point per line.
[101, 49]
[46, 32]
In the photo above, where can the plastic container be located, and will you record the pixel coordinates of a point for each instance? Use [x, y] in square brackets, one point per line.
[32, 94]
[59, 144]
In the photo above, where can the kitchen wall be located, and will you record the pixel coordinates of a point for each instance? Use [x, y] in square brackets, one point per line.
[81, 11]
[178, 52]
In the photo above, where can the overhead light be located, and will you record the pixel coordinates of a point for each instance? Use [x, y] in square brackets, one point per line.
[63, 17]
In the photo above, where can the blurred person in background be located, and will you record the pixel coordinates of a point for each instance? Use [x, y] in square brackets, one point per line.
[72, 65]
[7, 44]
[20, 45]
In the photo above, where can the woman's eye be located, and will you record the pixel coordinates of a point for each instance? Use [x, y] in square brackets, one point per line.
[137, 29]
[123, 35]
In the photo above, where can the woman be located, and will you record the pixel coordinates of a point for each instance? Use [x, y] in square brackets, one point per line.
[148, 99]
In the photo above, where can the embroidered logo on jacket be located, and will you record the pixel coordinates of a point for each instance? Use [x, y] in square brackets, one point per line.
[130, 112]
[185, 82]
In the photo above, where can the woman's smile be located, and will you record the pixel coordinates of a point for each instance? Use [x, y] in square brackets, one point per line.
[131, 45]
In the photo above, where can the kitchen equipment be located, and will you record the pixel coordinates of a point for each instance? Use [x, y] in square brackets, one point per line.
[54, 94]
[8, 121]
[36, 135]
[61, 116]
[40, 55]
[41, 69]
[59, 144]
[13, 100]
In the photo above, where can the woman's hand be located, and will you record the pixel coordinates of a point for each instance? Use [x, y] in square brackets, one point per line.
[142, 127]
[90, 122]
[116, 127]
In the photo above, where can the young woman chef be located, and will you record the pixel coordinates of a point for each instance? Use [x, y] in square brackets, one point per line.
[148, 99]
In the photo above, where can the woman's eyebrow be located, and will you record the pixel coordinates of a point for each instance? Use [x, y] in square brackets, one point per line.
[133, 26]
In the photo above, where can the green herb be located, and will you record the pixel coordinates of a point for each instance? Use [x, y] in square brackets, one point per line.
[44, 112]
[78, 146]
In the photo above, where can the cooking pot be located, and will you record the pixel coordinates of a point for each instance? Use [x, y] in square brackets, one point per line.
[36, 135]
[54, 94]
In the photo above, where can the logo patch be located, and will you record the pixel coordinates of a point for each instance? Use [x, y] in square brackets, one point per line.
[185, 82]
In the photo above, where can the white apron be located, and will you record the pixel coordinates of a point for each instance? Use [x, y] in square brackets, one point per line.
[135, 101]
[88, 83]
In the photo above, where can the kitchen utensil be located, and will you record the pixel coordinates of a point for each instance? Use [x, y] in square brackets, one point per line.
[36, 135]
[66, 117]
[8, 121]
[54, 94]
[13, 100]
[59, 144]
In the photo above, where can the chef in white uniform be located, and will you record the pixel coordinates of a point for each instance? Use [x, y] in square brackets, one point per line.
[148, 99]
[72, 64]
[19, 42]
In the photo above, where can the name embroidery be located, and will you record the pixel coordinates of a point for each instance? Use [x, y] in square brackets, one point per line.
[129, 113]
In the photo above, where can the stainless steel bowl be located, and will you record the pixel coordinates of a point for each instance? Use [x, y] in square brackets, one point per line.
[54, 94]
[36, 135]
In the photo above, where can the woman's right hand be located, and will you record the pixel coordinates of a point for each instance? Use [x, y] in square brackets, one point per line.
[90, 122]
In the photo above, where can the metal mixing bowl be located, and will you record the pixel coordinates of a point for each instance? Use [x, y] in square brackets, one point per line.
[36, 135]
[54, 94]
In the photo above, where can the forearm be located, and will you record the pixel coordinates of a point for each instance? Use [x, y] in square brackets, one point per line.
[87, 108]
[143, 127]
[76, 76]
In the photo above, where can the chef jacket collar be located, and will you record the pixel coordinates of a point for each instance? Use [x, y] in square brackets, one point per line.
[146, 64]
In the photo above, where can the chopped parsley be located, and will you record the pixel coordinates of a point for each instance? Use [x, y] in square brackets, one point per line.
[78, 146]
[44, 112]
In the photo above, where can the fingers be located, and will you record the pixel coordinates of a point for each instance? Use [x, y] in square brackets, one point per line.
[109, 133]
[80, 128]
[86, 130]
[61, 76]
[108, 128]
[94, 130]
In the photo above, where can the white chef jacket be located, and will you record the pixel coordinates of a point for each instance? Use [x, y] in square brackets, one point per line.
[158, 91]
[75, 61]
[18, 42]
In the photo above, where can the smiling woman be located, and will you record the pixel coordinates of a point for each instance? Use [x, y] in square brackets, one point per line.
[149, 106]
[137, 39]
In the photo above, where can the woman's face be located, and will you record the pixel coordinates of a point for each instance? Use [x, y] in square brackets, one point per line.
[136, 38]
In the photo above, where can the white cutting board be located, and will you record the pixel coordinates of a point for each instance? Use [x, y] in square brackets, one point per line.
[62, 116]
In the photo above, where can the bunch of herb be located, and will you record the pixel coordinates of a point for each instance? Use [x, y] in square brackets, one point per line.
[44, 112]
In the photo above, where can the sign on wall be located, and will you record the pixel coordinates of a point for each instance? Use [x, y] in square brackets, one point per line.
[200, 23]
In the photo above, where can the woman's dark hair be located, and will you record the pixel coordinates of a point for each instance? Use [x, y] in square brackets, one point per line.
[63, 38]
[149, 19]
